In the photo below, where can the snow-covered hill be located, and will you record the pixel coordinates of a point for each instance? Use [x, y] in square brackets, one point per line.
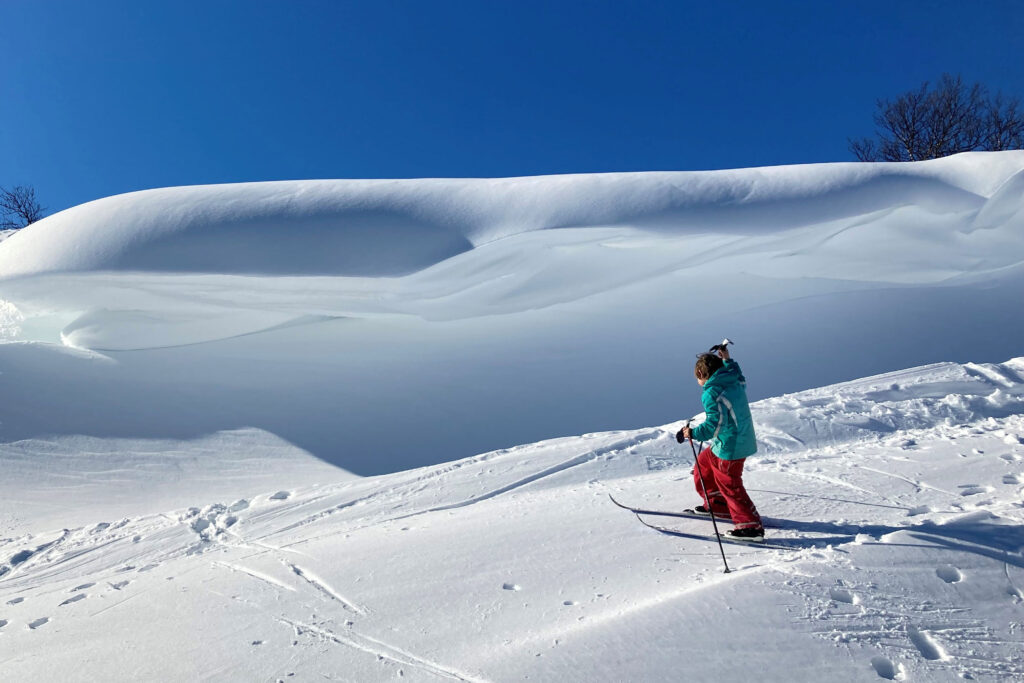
[897, 501]
[236, 422]
[383, 325]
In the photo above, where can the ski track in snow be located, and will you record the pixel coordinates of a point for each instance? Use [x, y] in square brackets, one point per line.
[256, 575]
[326, 589]
[548, 472]
[918, 485]
[399, 491]
[382, 651]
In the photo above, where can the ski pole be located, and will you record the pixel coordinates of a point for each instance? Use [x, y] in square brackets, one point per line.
[714, 522]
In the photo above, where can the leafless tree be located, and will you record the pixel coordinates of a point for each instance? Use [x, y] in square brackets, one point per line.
[18, 207]
[1005, 129]
[952, 117]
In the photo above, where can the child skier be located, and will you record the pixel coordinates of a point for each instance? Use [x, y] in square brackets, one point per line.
[730, 430]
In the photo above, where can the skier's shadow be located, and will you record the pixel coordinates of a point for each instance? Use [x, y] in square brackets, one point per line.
[1001, 542]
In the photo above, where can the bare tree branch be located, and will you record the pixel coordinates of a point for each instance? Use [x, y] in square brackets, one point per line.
[928, 123]
[1005, 124]
[18, 207]
[864, 149]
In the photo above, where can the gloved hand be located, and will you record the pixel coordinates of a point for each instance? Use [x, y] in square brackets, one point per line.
[683, 434]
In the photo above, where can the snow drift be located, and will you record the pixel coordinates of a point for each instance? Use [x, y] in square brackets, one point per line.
[394, 227]
[345, 315]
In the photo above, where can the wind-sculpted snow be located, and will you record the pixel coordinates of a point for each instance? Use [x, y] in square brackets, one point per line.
[355, 318]
[394, 227]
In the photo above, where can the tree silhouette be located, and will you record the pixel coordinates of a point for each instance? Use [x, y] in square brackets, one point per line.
[18, 207]
[928, 123]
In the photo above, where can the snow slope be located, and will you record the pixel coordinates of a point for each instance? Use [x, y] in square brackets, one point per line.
[898, 499]
[236, 421]
[381, 325]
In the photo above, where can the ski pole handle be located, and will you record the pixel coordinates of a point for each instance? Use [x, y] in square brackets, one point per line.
[680, 436]
[720, 347]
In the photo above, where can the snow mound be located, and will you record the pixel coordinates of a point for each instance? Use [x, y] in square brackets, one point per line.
[480, 313]
[394, 227]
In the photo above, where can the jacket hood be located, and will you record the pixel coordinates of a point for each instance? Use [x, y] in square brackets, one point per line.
[726, 376]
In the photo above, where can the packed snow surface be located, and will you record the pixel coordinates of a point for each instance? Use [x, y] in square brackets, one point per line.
[894, 512]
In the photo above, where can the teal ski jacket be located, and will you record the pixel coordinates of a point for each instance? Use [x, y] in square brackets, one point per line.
[728, 425]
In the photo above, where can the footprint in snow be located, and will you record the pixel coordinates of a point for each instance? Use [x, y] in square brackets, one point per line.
[119, 585]
[15, 601]
[511, 587]
[3, 622]
[843, 595]
[82, 587]
[972, 489]
[80, 596]
[238, 505]
[925, 644]
[281, 495]
[949, 574]
[1011, 479]
[33, 625]
[21, 557]
[886, 669]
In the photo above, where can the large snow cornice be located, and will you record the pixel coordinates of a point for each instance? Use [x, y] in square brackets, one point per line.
[394, 227]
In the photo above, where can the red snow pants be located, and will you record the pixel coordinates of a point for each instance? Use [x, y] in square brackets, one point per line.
[726, 495]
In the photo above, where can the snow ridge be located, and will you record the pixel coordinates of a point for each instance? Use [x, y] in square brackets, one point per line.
[395, 227]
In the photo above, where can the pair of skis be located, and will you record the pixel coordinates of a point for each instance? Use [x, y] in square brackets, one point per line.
[641, 512]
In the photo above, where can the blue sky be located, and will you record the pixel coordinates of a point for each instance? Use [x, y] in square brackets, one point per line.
[98, 98]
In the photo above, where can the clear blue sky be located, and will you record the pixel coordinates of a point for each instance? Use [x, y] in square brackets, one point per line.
[103, 97]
